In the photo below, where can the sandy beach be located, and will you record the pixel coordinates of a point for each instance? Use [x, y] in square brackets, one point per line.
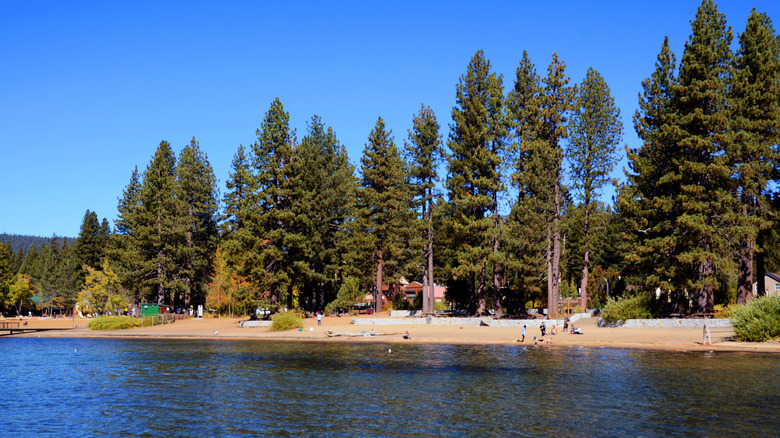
[594, 336]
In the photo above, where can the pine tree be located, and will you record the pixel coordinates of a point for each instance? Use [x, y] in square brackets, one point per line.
[157, 228]
[678, 197]
[89, 248]
[384, 200]
[237, 212]
[556, 104]
[752, 155]
[124, 246]
[526, 240]
[424, 154]
[698, 129]
[594, 131]
[645, 202]
[196, 189]
[270, 215]
[323, 189]
[6, 275]
[474, 183]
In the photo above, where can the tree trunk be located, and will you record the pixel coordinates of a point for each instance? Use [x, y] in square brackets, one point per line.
[585, 262]
[548, 261]
[481, 293]
[497, 308]
[160, 287]
[556, 258]
[431, 285]
[379, 281]
[745, 274]
[760, 266]
[705, 296]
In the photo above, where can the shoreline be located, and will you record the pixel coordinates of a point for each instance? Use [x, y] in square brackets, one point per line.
[661, 339]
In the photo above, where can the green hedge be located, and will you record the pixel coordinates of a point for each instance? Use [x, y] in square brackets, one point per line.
[640, 306]
[286, 321]
[113, 323]
[758, 320]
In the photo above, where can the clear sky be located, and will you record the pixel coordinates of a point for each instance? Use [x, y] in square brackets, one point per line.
[88, 89]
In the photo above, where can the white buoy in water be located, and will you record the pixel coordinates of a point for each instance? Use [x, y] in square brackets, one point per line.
[389, 350]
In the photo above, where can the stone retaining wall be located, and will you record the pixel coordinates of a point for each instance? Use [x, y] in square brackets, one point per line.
[257, 323]
[484, 321]
[676, 323]
[535, 323]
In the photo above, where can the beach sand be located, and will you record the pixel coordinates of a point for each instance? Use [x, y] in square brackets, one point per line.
[594, 336]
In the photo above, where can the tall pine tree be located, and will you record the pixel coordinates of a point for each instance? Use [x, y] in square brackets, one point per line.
[270, 214]
[196, 190]
[595, 130]
[556, 105]
[383, 205]
[529, 160]
[424, 153]
[323, 189]
[474, 182]
[752, 153]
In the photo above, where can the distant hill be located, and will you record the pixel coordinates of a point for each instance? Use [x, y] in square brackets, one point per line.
[26, 242]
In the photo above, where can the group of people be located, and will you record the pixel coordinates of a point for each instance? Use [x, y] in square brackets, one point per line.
[553, 330]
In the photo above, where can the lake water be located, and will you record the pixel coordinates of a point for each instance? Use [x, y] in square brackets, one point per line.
[204, 388]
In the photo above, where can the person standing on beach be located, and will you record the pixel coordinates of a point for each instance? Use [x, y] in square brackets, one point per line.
[523, 340]
[319, 318]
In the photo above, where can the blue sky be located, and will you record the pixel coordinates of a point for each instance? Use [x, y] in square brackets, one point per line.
[89, 89]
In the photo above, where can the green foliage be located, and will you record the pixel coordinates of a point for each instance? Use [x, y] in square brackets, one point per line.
[400, 303]
[102, 291]
[477, 144]
[383, 215]
[723, 311]
[196, 190]
[91, 244]
[322, 186]
[595, 130]
[114, 323]
[640, 306]
[289, 320]
[758, 320]
[349, 293]
[19, 294]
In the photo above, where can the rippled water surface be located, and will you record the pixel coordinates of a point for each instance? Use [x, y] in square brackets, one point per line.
[89, 387]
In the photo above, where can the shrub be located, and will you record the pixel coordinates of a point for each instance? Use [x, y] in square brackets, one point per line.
[349, 294]
[758, 320]
[286, 321]
[113, 323]
[638, 306]
[399, 302]
[724, 311]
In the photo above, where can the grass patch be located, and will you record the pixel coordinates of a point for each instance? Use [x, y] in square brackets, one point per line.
[758, 320]
[113, 323]
[286, 321]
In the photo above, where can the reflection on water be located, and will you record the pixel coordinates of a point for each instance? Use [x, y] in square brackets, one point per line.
[85, 387]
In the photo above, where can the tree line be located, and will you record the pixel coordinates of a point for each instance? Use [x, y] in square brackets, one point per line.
[516, 222]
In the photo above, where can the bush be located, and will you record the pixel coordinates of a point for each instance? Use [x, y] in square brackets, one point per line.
[758, 320]
[349, 293]
[723, 311]
[286, 321]
[113, 323]
[639, 306]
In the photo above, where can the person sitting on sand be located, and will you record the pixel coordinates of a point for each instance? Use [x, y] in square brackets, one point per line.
[576, 330]
[553, 330]
[406, 335]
